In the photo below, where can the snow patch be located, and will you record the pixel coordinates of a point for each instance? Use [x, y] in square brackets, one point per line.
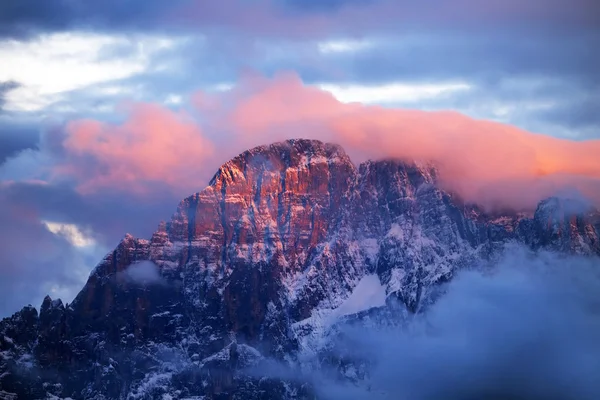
[397, 232]
[312, 332]
[368, 293]
[371, 248]
[26, 361]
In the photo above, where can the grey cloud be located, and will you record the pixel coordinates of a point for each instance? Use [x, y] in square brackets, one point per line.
[548, 82]
[21, 18]
[293, 18]
[561, 71]
[311, 6]
[16, 137]
[526, 329]
[6, 87]
[191, 64]
[577, 112]
[559, 108]
[484, 57]
[15, 134]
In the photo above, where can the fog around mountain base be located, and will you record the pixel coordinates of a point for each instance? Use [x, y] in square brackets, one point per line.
[526, 329]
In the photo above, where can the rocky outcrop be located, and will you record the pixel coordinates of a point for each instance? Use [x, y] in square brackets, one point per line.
[562, 225]
[251, 266]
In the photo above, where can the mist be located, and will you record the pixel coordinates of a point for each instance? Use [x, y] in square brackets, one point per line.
[526, 329]
[142, 273]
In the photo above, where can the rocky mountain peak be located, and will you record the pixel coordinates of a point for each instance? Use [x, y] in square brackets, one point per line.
[278, 157]
[49, 304]
[566, 224]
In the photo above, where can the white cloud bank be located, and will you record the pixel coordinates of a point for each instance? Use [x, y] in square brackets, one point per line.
[53, 64]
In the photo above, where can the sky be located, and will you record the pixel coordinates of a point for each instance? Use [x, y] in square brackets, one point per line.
[113, 111]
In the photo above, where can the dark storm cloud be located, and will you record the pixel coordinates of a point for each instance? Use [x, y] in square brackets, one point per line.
[293, 17]
[19, 18]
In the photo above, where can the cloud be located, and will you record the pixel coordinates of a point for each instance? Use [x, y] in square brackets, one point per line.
[70, 232]
[486, 57]
[142, 273]
[493, 164]
[344, 44]
[61, 62]
[20, 19]
[393, 92]
[291, 18]
[153, 145]
[6, 87]
[517, 76]
[526, 328]
[16, 136]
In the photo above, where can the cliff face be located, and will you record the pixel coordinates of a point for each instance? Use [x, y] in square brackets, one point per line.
[253, 265]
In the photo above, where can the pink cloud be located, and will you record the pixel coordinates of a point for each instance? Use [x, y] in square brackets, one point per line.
[153, 145]
[494, 164]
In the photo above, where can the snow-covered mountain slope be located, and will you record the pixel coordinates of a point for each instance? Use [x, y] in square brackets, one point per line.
[286, 241]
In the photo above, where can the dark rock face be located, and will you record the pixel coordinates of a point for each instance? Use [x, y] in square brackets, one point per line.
[562, 225]
[245, 269]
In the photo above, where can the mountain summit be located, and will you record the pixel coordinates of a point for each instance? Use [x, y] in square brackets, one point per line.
[286, 239]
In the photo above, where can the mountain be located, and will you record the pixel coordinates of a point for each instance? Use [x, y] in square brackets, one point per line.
[286, 241]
